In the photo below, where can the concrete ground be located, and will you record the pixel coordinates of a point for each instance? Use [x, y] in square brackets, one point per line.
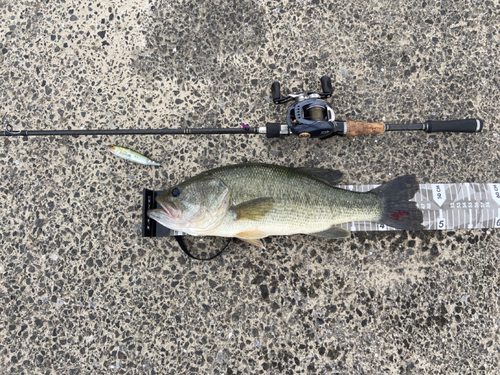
[81, 292]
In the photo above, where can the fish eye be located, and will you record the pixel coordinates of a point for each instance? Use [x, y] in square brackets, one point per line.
[176, 192]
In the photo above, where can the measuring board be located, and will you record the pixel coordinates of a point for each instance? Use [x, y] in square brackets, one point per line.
[444, 206]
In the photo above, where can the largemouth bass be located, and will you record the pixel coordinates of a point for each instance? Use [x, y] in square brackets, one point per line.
[253, 201]
[131, 155]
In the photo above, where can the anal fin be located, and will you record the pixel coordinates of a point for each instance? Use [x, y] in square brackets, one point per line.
[332, 232]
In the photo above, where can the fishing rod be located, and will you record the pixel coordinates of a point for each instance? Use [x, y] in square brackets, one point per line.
[310, 116]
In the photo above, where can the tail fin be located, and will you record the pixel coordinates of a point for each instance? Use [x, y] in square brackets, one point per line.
[398, 211]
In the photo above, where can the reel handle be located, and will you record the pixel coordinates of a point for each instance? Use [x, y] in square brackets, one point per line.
[326, 86]
[275, 90]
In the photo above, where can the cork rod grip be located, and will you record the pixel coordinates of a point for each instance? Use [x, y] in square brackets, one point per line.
[355, 128]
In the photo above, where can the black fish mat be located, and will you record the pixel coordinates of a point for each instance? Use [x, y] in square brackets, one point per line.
[82, 292]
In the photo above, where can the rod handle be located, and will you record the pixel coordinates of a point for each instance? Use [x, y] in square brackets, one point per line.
[455, 126]
[355, 128]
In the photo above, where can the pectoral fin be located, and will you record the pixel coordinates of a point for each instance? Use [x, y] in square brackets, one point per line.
[255, 209]
[333, 232]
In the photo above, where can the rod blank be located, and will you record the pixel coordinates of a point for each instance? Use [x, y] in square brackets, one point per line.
[13, 133]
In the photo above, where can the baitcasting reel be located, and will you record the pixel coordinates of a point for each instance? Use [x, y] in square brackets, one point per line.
[312, 117]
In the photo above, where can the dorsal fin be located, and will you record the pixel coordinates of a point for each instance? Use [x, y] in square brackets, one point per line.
[330, 176]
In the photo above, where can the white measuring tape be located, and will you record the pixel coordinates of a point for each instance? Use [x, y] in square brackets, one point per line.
[446, 206]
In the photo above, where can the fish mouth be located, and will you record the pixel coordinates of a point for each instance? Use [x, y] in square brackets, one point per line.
[160, 216]
[170, 209]
[167, 215]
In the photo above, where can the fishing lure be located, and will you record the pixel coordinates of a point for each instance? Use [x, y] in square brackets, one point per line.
[131, 155]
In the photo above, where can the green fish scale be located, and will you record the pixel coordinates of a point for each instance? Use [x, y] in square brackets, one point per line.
[302, 203]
